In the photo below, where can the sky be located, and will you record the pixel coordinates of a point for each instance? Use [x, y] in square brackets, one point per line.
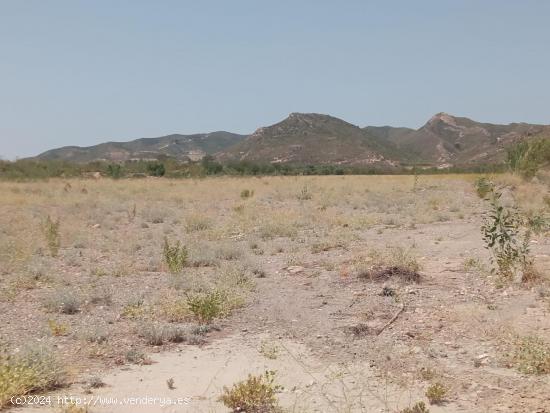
[81, 72]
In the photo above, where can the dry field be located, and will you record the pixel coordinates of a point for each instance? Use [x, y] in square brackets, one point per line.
[362, 293]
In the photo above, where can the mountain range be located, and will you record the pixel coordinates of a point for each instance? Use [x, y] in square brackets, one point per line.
[311, 138]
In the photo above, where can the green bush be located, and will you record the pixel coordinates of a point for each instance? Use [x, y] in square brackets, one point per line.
[206, 306]
[175, 256]
[35, 369]
[257, 394]
[504, 235]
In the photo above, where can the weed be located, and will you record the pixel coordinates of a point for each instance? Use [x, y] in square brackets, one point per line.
[501, 232]
[531, 355]
[170, 383]
[436, 393]
[50, 228]
[247, 193]
[175, 256]
[95, 382]
[135, 308]
[135, 356]
[229, 252]
[418, 407]
[64, 301]
[396, 263]
[73, 407]
[175, 311]
[206, 306]
[427, 373]
[35, 369]
[304, 194]
[483, 187]
[58, 329]
[97, 335]
[257, 394]
[157, 334]
[101, 296]
[269, 350]
[197, 223]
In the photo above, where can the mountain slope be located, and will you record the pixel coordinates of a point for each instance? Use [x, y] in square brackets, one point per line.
[447, 139]
[310, 138]
[181, 147]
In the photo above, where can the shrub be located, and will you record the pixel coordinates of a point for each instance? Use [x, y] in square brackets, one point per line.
[419, 407]
[135, 356]
[206, 306]
[156, 169]
[531, 355]
[64, 301]
[304, 194]
[35, 369]
[96, 335]
[50, 228]
[247, 193]
[197, 223]
[175, 256]
[436, 393]
[114, 171]
[501, 231]
[58, 329]
[157, 334]
[483, 186]
[257, 394]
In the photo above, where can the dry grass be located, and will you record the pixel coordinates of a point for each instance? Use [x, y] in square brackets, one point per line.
[107, 265]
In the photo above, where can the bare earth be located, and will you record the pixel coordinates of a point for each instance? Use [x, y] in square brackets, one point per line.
[291, 256]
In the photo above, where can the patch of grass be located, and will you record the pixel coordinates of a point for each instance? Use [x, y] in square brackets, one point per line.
[63, 301]
[436, 393]
[257, 394]
[531, 355]
[50, 228]
[35, 369]
[195, 223]
[175, 256]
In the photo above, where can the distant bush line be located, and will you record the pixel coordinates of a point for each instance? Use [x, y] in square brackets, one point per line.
[27, 169]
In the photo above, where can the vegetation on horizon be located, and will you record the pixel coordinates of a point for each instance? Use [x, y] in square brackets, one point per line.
[29, 169]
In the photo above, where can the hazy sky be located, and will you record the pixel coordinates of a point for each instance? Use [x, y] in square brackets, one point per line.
[82, 72]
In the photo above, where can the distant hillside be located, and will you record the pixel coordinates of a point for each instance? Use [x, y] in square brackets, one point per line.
[447, 139]
[315, 139]
[310, 138]
[181, 147]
